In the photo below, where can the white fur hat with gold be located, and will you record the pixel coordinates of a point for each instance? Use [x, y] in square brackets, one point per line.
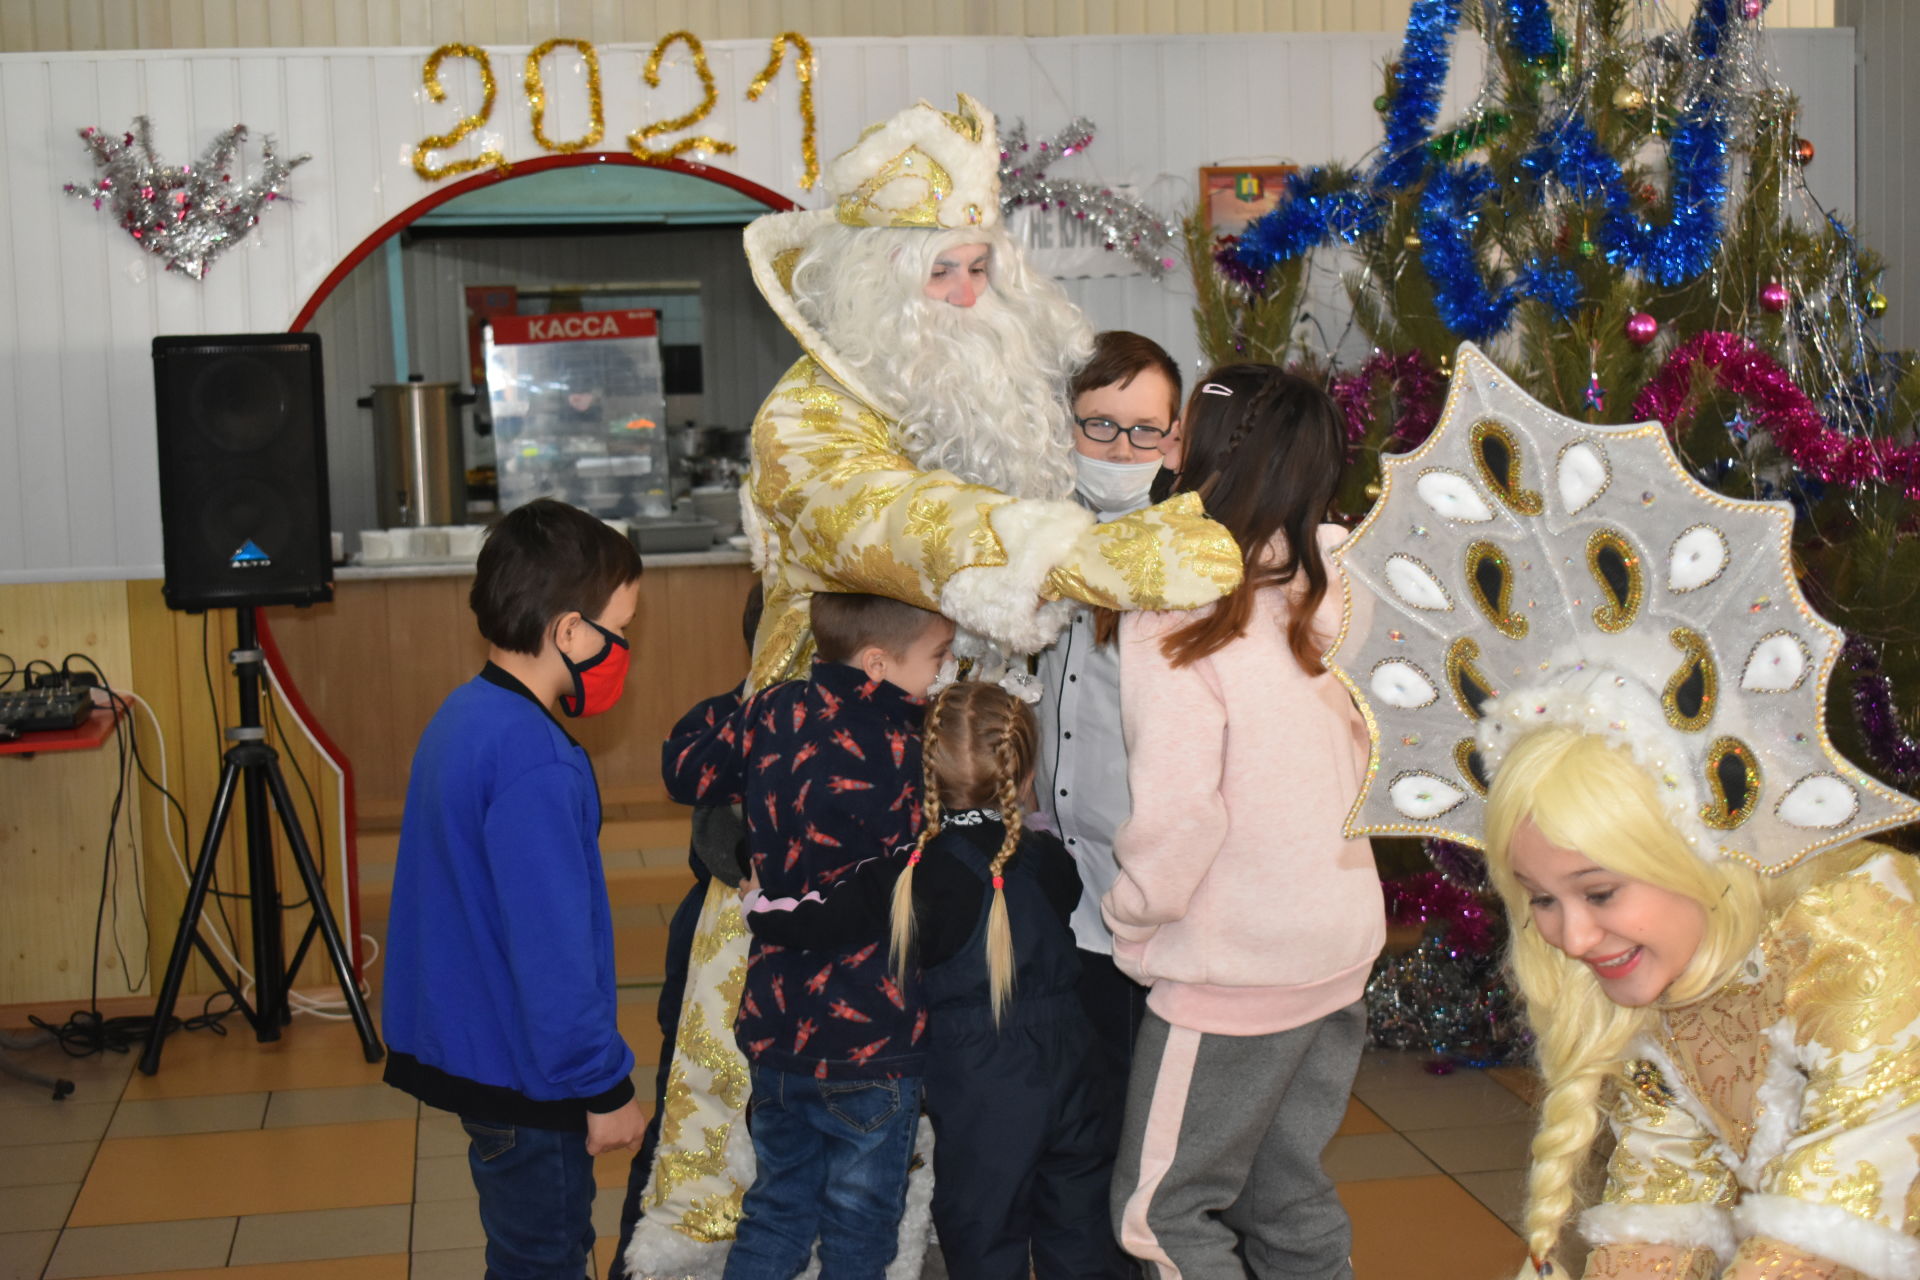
[923, 168]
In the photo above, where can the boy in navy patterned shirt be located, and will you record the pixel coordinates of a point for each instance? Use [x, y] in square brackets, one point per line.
[828, 770]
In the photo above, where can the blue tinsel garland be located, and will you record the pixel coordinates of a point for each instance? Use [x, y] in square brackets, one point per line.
[1530, 28]
[1312, 211]
[1465, 302]
[1669, 255]
[1416, 98]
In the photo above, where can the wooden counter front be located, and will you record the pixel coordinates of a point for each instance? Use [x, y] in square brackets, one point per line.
[376, 662]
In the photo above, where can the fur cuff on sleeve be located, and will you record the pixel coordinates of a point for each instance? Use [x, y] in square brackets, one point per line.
[1689, 1225]
[1002, 602]
[1828, 1231]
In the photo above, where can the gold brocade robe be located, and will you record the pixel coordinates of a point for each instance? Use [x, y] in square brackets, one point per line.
[1773, 1129]
[839, 507]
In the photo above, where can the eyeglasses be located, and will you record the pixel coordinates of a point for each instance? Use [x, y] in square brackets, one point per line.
[1106, 431]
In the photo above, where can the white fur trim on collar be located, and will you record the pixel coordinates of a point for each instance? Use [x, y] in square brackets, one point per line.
[1830, 1232]
[1001, 603]
[1777, 1101]
[1692, 1225]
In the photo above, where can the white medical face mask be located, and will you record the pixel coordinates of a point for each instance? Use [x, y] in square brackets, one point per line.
[1115, 487]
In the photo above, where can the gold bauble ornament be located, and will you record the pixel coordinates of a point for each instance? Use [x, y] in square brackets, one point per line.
[1876, 304]
[1413, 240]
[1628, 98]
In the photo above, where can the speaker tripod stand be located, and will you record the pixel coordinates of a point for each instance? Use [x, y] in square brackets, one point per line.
[252, 767]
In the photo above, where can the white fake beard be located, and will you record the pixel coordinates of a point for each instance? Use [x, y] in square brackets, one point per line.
[975, 396]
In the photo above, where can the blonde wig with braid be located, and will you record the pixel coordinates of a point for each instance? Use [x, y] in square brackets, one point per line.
[1583, 794]
[978, 751]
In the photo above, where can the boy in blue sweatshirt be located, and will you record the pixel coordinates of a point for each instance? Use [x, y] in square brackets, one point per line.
[499, 1003]
[828, 771]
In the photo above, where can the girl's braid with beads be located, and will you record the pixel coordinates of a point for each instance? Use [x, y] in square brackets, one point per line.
[1000, 957]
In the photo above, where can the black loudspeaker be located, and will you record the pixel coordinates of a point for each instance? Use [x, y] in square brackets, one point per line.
[243, 470]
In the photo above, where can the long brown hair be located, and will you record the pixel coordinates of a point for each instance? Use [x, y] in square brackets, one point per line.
[978, 750]
[1264, 449]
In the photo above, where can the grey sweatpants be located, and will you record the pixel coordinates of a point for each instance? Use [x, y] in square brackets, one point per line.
[1219, 1171]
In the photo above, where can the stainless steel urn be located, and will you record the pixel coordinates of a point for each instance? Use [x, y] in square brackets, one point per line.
[420, 465]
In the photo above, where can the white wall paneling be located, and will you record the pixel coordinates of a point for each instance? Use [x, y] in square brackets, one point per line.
[81, 302]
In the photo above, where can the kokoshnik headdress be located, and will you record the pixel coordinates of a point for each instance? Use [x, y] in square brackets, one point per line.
[1528, 569]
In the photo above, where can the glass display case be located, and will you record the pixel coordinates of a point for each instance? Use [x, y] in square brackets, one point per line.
[579, 409]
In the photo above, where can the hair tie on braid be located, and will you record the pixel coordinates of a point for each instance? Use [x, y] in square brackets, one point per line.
[999, 883]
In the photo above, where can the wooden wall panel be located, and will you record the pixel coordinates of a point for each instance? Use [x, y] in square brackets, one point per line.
[376, 663]
[54, 813]
[181, 666]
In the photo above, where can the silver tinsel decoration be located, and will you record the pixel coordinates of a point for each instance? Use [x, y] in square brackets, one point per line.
[1124, 224]
[189, 215]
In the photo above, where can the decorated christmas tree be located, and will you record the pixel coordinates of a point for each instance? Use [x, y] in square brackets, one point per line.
[1622, 221]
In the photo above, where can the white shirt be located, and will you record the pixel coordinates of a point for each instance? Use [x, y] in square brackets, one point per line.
[1082, 777]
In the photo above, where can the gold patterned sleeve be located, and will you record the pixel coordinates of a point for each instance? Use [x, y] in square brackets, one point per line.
[1668, 1191]
[1169, 556]
[1845, 1184]
[847, 510]
[1762, 1259]
[1651, 1262]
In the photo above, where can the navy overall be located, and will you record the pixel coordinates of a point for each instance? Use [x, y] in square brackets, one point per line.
[1018, 1160]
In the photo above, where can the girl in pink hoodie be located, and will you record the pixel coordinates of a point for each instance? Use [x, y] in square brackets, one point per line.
[1240, 903]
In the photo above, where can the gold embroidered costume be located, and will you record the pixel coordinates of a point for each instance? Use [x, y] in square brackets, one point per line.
[1772, 1129]
[842, 509]
[834, 502]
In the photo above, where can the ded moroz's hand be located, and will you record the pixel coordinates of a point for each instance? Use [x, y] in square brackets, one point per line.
[612, 1130]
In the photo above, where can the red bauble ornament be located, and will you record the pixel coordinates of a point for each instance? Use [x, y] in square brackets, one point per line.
[1642, 328]
[1803, 151]
[1750, 9]
[1774, 297]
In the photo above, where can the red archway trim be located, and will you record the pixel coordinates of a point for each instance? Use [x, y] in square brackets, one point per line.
[392, 227]
[440, 195]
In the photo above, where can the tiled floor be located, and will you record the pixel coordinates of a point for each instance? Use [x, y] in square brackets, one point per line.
[290, 1161]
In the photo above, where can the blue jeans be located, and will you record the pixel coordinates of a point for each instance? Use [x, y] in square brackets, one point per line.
[833, 1157]
[536, 1199]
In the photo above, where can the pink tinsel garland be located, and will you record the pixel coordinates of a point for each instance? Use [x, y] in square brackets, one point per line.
[1428, 897]
[1784, 411]
[1418, 388]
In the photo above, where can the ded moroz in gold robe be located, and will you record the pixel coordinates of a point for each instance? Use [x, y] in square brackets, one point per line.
[833, 503]
[1772, 1129]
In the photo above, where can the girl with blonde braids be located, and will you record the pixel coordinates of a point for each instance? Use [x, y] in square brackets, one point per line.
[979, 915]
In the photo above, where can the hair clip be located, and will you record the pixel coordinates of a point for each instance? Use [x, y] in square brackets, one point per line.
[1214, 389]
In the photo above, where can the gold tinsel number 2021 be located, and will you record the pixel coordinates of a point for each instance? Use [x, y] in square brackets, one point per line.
[644, 142]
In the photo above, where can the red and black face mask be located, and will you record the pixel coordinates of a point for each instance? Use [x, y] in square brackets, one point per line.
[598, 681]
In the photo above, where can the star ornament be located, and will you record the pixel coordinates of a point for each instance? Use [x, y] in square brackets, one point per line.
[186, 215]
